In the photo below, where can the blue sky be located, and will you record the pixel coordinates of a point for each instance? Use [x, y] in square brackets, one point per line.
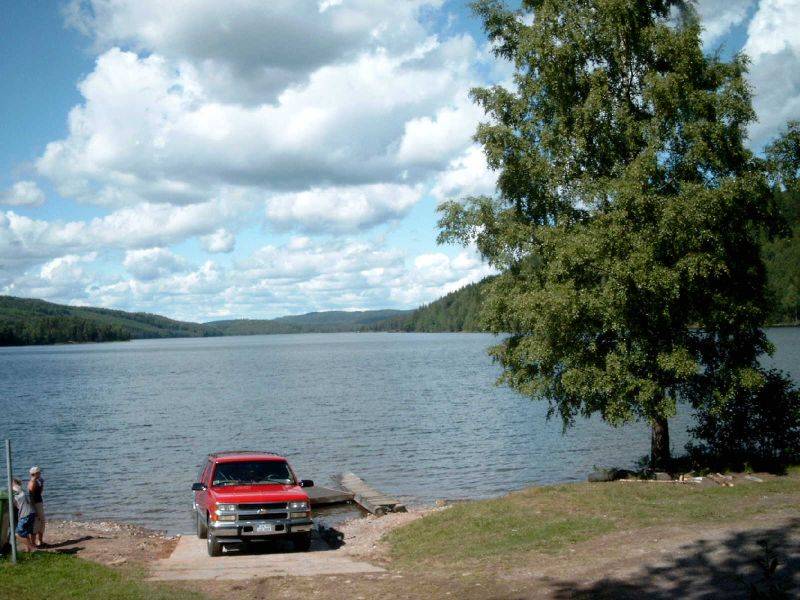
[253, 159]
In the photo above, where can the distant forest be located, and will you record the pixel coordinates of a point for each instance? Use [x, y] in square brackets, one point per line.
[26, 321]
[457, 311]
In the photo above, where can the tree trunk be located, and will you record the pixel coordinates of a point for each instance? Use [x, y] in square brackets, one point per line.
[659, 443]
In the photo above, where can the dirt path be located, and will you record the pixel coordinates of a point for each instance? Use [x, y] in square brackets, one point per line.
[712, 560]
[108, 543]
[190, 561]
[716, 560]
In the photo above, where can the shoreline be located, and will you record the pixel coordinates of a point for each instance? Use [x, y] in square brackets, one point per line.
[294, 333]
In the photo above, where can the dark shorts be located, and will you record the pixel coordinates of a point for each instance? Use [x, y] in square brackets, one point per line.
[25, 525]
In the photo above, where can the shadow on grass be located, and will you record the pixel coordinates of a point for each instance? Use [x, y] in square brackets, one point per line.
[752, 564]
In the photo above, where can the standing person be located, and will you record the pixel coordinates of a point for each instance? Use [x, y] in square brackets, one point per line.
[25, 514]
[36, 488]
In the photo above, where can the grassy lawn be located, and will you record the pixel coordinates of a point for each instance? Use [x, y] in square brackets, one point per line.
[549, 519]
[59, 576]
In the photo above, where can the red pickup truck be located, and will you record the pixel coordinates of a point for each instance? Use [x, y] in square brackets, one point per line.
[244, 496]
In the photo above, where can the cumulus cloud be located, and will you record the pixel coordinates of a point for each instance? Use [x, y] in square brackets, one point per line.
[279, 100]
[434, 140]
[720, 16]
[152, 263]
[301, 274]
[147, 132]
[342, 209]
[24, 240]
[64, 278]
[773, 44]
[22, 193]
[466, 175]
[250, 50]
[220, 240]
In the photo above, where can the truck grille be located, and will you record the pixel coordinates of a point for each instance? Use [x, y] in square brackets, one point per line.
[266, 517]
[267, 506]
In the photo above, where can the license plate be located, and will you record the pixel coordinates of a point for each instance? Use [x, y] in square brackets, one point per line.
[263, 528]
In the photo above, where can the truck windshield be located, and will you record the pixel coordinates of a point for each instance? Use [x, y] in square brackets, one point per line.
[249, 472]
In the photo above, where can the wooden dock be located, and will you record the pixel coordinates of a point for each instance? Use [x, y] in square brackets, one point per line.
[367, 497]
[324, 496]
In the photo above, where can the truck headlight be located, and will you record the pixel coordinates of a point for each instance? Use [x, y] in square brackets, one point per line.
[226, 507]
[226, 518]
[298, 506]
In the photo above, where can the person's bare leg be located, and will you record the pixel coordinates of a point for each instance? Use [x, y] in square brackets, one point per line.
[28, 542]
[39, 525]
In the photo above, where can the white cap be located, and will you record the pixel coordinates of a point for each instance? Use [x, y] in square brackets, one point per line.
[35, 470]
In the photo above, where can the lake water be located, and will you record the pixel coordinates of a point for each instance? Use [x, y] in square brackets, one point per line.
[120, 429]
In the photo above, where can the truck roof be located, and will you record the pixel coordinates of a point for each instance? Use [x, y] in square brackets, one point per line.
[239, 455]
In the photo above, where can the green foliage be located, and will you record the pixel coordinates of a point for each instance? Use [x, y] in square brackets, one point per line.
[629, 215]
[782, 259]
[759, 426]
[782, 255]
[26, 321]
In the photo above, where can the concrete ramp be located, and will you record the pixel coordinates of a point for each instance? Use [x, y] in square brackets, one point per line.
[191, 561]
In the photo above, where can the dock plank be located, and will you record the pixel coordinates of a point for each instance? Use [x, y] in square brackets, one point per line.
[325, 496]
[368, 497]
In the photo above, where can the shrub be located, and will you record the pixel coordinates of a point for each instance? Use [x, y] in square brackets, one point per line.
[759, 426]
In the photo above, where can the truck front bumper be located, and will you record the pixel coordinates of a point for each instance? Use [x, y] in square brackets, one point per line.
[249, 530]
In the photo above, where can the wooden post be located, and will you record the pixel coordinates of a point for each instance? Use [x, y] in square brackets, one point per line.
[11, 525]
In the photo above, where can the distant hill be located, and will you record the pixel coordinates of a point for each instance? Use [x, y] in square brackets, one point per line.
[26, 321]
[457, 311]
[315, 322]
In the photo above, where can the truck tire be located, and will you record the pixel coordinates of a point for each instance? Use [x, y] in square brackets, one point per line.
[301, 542]
[213, 545]
[202, 528]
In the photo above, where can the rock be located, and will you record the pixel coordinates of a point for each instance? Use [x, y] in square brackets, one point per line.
[441, 502]
[754, 478]
[662, 476]
[601, 475]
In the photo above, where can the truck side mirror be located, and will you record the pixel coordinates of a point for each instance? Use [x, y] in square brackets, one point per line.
[306, 483]
[198, 487]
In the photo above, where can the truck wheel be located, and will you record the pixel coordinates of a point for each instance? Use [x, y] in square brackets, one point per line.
[213, 545]
[202, 528]
[301, 542]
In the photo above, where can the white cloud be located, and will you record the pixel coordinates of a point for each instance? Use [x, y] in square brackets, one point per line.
[23, 193]
[466, 175]
[24, 240]
[436, 274]
[345, 208]
[153, 263]
[720, 16]
[773, 44]
[435, 140]
[64, 278]
[176, 110]
[220, 240]
[250, 50]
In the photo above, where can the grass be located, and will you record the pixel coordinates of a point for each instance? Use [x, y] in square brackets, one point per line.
[61, 577]
[549, 519]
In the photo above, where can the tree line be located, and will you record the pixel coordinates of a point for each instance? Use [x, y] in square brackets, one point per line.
[57, 330]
